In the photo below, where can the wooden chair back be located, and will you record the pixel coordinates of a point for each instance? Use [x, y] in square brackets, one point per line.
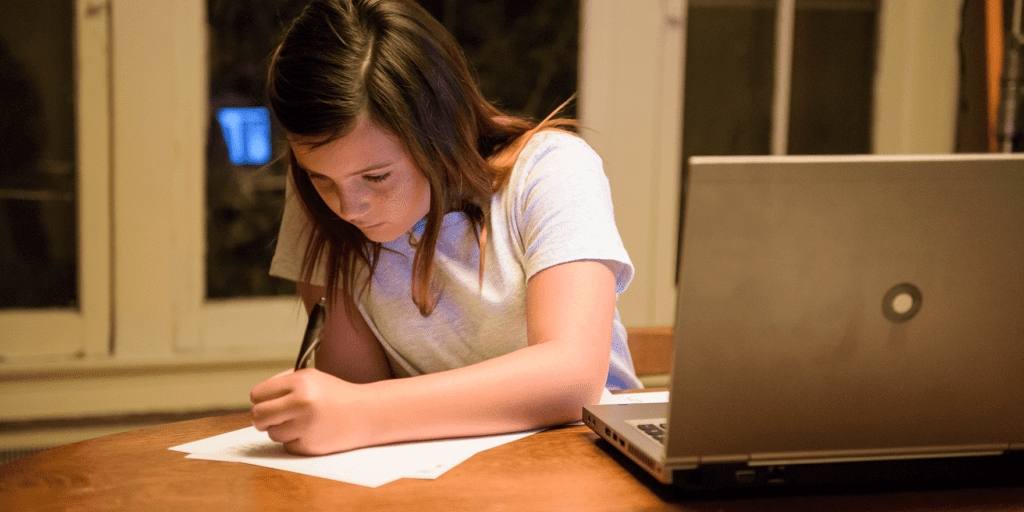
[651, 348]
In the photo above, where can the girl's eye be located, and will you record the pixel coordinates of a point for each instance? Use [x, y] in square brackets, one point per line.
[377, 178]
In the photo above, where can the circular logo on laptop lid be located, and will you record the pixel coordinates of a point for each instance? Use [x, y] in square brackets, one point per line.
[901, 303]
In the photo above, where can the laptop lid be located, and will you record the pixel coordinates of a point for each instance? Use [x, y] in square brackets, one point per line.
[849, 308]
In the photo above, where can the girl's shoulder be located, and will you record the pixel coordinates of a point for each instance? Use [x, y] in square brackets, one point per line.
[557, 151]
[552, 164]
[554, 139]
[534, 143]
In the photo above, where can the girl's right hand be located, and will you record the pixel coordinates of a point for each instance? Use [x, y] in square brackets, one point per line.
[313, 413]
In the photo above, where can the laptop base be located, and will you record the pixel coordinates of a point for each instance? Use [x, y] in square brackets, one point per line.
[719, 481]
[1006, 469]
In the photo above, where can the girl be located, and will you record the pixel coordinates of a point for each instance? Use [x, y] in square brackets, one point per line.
[470, 253]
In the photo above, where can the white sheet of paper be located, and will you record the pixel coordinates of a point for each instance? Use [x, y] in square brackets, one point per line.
[370, 467]
[650, 397]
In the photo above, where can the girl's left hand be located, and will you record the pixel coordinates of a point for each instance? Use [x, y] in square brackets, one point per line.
[312, 412]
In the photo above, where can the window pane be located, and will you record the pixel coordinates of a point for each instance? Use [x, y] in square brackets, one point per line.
[730, 63]
[244, 191]
[524, 52]
[38, 216]
[833, 77]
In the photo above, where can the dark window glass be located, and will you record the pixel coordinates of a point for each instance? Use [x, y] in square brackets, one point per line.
[525, 52]
[38, 214]
[833, 77]
[244, 192]
[730, 59]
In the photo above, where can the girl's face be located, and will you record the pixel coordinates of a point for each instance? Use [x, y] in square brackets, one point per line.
[367, 179]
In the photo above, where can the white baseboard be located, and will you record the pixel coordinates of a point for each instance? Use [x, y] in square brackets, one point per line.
[55, 407]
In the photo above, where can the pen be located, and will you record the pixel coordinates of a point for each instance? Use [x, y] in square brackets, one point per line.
[311, 339]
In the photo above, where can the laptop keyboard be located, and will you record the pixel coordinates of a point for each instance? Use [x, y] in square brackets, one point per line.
[655, 430]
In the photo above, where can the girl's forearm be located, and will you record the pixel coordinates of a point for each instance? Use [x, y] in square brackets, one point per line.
[541, 385]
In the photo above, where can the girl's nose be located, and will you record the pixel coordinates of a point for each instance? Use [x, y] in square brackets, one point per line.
[352, 204]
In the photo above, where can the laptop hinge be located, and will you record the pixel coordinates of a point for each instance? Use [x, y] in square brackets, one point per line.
[676, 463]
[865, 455]
[724, 459]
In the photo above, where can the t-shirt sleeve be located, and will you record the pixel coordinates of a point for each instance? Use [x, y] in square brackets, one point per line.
[561, 204]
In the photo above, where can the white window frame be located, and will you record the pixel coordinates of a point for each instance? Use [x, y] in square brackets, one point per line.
[33, 335]
[146, 339]
[159, 183]
[142, 105]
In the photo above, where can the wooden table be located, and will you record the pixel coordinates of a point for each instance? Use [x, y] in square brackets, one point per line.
[561, 469]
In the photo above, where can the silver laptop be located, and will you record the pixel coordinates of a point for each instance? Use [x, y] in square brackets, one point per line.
[840, 319]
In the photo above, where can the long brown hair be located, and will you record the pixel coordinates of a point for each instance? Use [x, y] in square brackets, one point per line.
[392, 61]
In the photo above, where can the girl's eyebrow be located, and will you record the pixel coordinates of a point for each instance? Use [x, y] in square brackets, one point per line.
[371, 168]
[374, 167]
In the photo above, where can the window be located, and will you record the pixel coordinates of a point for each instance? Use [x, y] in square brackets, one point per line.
[779, 77]
[832, 84]
[732, 61]
[54, 180]
[525, 52]
[244, 191]
[38, 257]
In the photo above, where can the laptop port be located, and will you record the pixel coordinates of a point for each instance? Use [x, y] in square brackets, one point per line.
[746, 476]
[775, 475]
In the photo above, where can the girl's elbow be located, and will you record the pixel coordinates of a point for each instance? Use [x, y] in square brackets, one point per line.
[586, 391]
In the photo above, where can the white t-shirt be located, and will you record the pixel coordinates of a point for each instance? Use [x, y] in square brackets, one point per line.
[555, 209]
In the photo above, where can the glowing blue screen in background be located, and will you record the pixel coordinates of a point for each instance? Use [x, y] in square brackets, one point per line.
[246, 133]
